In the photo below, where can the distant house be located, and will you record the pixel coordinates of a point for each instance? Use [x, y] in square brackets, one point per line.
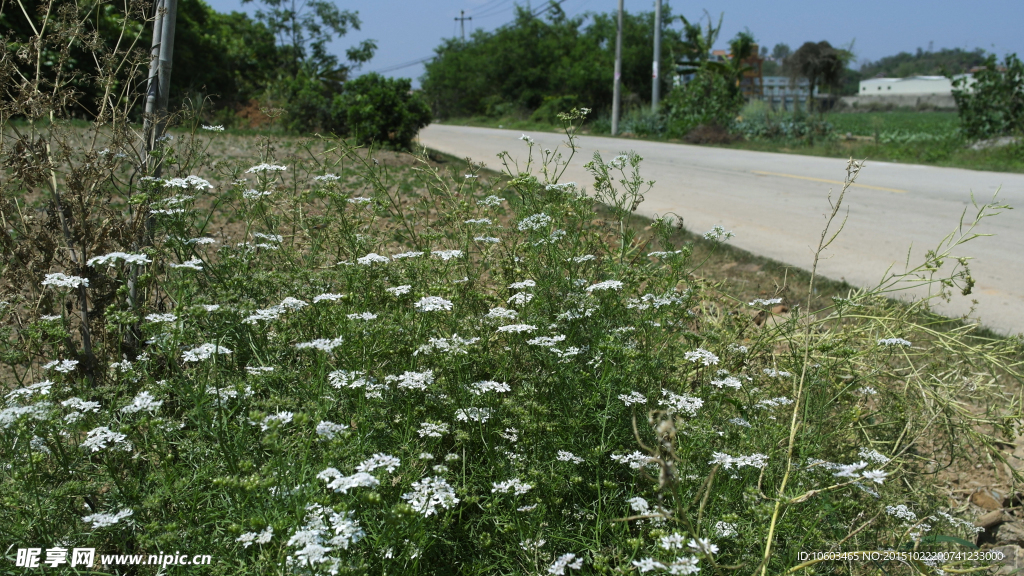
[781, 93]
[914, 85]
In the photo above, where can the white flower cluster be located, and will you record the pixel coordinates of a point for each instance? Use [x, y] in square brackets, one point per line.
[774, 402]
[371, 258]
[340, 483]
[636, 460]
[890, 342]
[756, 460]
[327, 178]
[681, 402]
[264, 167]
[447, 255]
[161, 318]
[281, 418]
[502, 313]
[563, 562]
[249, 538]
[105, 519]
[535, 222]
[433, 304]
[327, 297]
[101, 437]
[633, 398]
[379, 460]
[203, 352]
[701, 356]
[324, 531]
[113, 257]
[322, 344]
[902, 512]
[366, 316]
[432, 430]
[717, 234]
[430, 494]
[728, 381]
[517, 328]
[452, 346]
[478, 388]
[546, 341]
[412, 380]
[188, 182]
[513, 485]
[566, 456]
[480, 415]
[399, 290]
[490, 201]
[758, 302]
[191, 264]
[64, 281]
[63, 366]
[606, 285]
[329, 430]
[11, 414]
[143, 402]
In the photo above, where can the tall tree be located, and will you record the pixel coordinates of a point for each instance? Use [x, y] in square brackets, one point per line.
[820, 63]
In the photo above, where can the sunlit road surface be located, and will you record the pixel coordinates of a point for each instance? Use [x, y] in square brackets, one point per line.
[776, 205]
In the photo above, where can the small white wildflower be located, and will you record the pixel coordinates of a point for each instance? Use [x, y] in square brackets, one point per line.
[143, 402]
[379, 460]
[633, 398]
[517, 328]
[606, 285]
[430, 494]
[513, 485]
[478, 388]
[728, 381]
[565, 561]
[322, 344]
[681, 402]
[873, 455]
[407, 255]
[546, 341]
[535, 222]
[701, 356]
[773, 373]
[484, 221]
[890, 342]
[161, 318]
[203, 352]
[636, 460]
[64, 281]
[264, 167]
[63, 366]
[648, 564]
[526, 139]
[329, 430]
[520, 298]
[113, 257]
[433, 304]
[581, 259]
[522, 284]
[566, 456]
[725, 529]
[866, 390]
[105, 520]
[258, 370]
[371, 258]
[487, 239]
[717, 233]
[756, 460]
[191, 264]
[281, 418]
[252, 194]
[367, 316]
[412, 380]
[876, 476]
[327, 178]
[902, 512]
[490, 201]
[217, 128]
[399, 290]
[340, 483]
[327, 297]
[447, 255]
[188, 182]
[502, 313]
[480, 415]
[432, 430]
[100, 437]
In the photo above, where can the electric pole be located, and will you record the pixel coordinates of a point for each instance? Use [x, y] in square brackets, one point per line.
[462, 22]
[655, 81]
[160, 64]
[618, 75]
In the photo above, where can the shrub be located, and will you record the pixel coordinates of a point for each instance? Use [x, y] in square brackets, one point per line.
[993, 104]
[382, 111]
[552, 107]
[708, 99]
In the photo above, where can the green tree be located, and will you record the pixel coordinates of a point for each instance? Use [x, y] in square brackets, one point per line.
[697, 43]
[382, 111]
[820, 63]
[519, 65]
[708, 99]
[992, 102]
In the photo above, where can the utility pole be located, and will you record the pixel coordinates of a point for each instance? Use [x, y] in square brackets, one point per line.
[462, 22]
[618, 75]
[655, 81]
[160, 64]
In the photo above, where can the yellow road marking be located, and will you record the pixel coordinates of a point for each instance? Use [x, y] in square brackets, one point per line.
[839, 182]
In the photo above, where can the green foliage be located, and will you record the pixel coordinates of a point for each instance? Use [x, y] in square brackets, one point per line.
[708, 99]
[518, 66]
[922, 63]
[993, 104]
[381, 111]
[758, 122]
[821, 64]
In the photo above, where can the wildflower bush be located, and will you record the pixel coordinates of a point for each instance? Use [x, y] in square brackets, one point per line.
[310, 362]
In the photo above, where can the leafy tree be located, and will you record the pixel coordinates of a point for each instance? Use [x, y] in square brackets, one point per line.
[904, 64]
[697, 43]
[709, 99]
[993, 103]
[820, 63]
[382, 111]
[519, 65]
[780, 52]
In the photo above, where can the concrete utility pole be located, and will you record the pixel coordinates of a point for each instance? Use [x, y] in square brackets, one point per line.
[618, 75]
[462, 22]
[158, 90]
[655, 81]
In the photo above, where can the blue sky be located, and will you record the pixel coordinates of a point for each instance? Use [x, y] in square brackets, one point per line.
[407, 31]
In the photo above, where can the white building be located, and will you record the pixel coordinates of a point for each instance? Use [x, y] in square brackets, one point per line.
[913, 86]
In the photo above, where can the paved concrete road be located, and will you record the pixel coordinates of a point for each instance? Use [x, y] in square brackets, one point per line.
[776, 206]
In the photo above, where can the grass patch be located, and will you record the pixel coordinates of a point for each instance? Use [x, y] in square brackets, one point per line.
[301, 357]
